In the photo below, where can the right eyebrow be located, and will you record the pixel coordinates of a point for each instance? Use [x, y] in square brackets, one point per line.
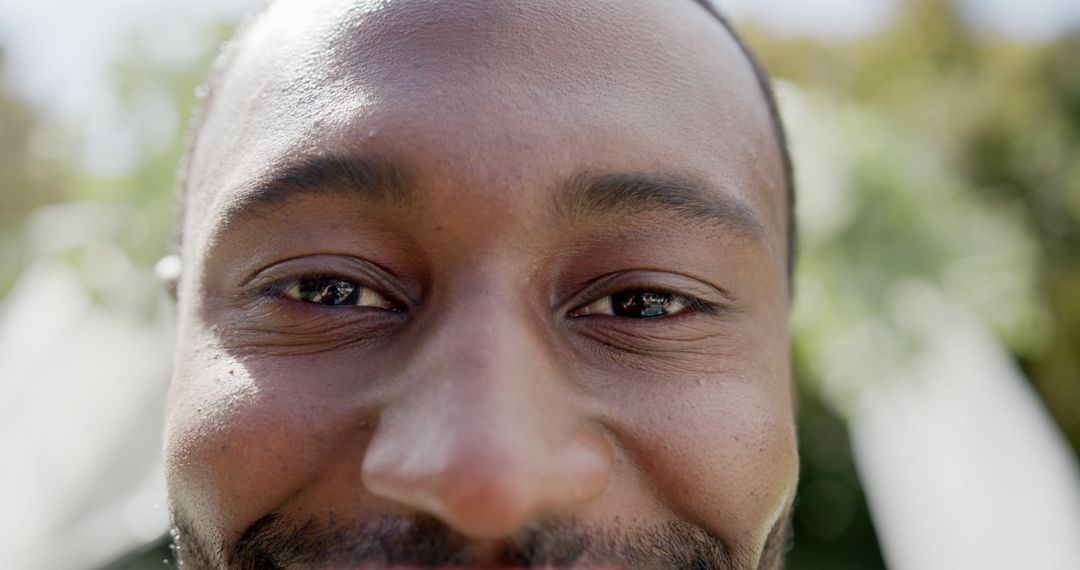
[356, 176]
[681, 197]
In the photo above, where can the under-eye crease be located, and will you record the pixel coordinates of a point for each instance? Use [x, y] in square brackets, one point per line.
[303, 306]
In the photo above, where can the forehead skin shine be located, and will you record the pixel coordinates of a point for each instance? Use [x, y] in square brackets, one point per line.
[315, 75]
[493, 139]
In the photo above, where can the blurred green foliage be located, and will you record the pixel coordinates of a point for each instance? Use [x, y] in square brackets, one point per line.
[961, 167]
[959, 160]
[974, 123]
[55, 207]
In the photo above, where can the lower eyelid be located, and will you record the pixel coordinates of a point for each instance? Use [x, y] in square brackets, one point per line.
[296, 334]
[284, 318]
[666, 340]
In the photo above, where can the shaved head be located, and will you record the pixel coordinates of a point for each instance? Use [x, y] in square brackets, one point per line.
[221, 66]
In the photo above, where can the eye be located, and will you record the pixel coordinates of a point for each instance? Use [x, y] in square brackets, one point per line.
[639, 304]
[336, 292]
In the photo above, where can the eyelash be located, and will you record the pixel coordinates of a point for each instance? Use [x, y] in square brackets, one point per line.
[279, 289]
[695, 304]
[692, 304]
[689, 304]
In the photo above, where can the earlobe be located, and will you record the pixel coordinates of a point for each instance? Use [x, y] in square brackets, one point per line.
[167, 271]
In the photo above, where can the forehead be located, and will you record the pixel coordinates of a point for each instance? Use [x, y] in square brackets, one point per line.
[490, 92]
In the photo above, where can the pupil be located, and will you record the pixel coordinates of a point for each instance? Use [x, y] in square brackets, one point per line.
[641, 304]
[328, 291]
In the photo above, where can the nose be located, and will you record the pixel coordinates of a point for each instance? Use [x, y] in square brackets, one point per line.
[489, 434]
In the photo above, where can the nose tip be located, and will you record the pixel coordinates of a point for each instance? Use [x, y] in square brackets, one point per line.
[488, 485]
[485, 429]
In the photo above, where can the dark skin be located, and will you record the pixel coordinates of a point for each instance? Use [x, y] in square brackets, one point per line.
[484, 284]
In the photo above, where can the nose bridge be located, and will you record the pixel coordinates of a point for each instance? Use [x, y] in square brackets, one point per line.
[480, 391]
[488, 435]
[487, 358]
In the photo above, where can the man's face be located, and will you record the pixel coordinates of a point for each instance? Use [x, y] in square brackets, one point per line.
[484, 284]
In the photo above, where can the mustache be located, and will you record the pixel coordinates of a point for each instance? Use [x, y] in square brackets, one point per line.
[274, 542]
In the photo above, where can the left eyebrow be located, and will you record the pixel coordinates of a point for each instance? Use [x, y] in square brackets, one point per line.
[363, 177]
[591, 193]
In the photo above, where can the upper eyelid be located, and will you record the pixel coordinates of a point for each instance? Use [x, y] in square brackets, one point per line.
[647, 280]
[339, 266]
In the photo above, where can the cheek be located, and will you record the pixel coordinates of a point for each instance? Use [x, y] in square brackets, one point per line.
[721, 453]
[243, 437]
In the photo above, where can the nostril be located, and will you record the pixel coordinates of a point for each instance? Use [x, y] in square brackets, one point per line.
[489, 492]
[486, 460]
[463, 482]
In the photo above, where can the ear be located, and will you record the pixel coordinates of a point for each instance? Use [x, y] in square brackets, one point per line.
[167, 270]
